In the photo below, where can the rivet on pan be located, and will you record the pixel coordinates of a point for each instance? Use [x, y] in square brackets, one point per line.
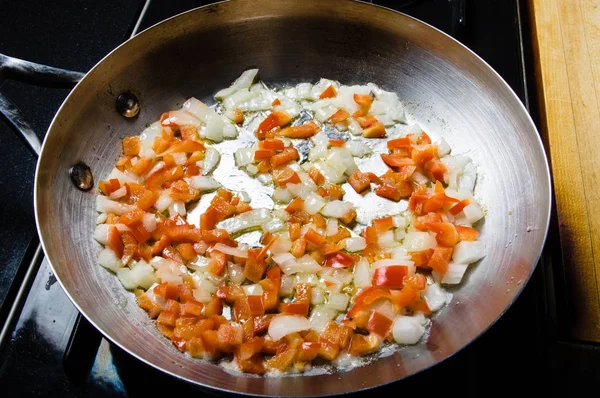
[81, 176]
[128, 105]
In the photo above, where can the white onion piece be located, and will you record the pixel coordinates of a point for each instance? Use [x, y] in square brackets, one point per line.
[338, 301]
[399, 234]
[142, 274]
[101, 233]
[408, 329]
[164, 200]
[282, 195]
[265, 178]
[180, 158]
[282, 244]
[105, 205]
[332, 227]
[234, 251]
[320, 317]
[282, 258]
[473, 213]
[181, 118]
[317, 152]
[214, 126]
[454, 273]
[109, 260]
[331, 175]
[356, 244]
[253, 290]
[119, 193]
[166, 275]
[177, 207]
[336, 208]
[317, 296]
[358, 148]
[123, 177]
[467, 252]
[252, 169]
[149, 221]
[399, 221]
[308, 264]
[386, 308]
[282, 325]
[160, 262]
[204, 183]
[435, 297]
[101, 219]
[443, 147]
[244, 81]
[300, 190]
[211, 159]
[418, 241]
[311, 279]
[247, 220]
[274, 225]
[121, 227]
[362, 274]
[286, 287]
[239, 97]
[243, 156]
[387, 239]
[354, 127]
[148, 135]
[235, 273]
[313, 203]
[304, 90]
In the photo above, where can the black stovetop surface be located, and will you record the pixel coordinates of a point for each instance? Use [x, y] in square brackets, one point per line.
[41, 355]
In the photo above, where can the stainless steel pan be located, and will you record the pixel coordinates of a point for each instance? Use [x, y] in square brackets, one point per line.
[448, 89]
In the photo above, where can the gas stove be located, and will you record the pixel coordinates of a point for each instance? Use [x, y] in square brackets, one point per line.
[48, 349]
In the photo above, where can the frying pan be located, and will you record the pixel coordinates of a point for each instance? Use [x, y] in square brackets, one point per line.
[447, 89]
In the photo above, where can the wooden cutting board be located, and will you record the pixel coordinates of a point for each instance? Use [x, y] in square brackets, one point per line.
[566, 39]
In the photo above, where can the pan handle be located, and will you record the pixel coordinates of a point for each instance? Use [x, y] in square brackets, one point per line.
[36, 74]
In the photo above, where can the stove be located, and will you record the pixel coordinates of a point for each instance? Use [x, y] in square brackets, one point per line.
[48, 349]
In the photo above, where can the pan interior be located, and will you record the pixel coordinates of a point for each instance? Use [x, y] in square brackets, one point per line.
[449, 91]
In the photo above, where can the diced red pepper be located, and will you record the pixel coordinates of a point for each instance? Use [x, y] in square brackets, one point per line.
[391, 276]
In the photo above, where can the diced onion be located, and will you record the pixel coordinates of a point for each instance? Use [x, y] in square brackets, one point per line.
[313, 203]
[119, 193]
[418, 241]
[454, 273]
[435, 297]
[101, 233]
[243, 156]
[408, 329]
[204, 183]
[473, 213]
[320, 317]
[332, 227]
[234, 251]
[164, 200]
[108, 259]
[149, 221]
[362, 274]
[338, 301]
[356, 244]
[336, 208]
[247, 220]
[253, 290]
[236, 273]
[105, 205]
[177, 207]
[282, 325]
[467, 252]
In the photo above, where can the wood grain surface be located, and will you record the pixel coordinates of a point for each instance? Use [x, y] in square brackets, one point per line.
[566, 39]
